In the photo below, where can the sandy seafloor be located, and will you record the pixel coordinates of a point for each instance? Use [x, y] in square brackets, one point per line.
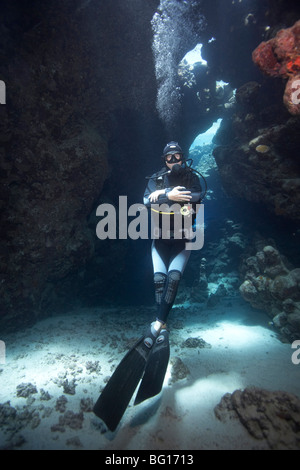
[244, 351]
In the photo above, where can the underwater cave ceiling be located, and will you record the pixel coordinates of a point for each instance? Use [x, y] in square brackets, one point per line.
[81, 112]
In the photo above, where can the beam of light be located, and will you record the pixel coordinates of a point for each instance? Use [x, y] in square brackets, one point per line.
[235, 335]
[204, 390]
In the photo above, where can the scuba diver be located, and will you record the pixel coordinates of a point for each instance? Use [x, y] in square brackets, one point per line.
[179, 184]
[172, 192]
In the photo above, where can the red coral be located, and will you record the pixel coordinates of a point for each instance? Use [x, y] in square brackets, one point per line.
[280, 57]
[265, 59]
[284, 44]
[293, 65]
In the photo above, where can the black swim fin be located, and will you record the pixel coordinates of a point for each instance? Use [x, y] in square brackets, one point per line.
[118, 391]
[155, 370]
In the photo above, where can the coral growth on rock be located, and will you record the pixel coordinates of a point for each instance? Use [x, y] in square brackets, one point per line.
[280, 57]
[259, 160]
[270, 416]
[218, 277]
[273, 286]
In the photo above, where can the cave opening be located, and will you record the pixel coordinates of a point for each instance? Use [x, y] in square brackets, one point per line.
[207, 137]
[194, 56]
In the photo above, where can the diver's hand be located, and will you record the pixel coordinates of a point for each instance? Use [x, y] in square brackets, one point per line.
[179, 194]
[155, 195]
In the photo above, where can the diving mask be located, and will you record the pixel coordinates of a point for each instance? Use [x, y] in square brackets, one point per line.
[173, 157]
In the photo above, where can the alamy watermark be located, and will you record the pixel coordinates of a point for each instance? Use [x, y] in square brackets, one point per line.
[2, 92]
[2, 352]
[295, 96]
[178, 224]
[296, 354]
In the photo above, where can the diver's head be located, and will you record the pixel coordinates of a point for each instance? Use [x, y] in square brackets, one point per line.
[173, 155]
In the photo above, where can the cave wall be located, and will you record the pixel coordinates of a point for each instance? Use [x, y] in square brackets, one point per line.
[77, 74]
[259, 140]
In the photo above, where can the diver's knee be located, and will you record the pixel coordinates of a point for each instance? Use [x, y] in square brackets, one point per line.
[174, 275]
[159, 278]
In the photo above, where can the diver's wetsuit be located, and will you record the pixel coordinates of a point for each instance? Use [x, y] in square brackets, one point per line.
[169, 256]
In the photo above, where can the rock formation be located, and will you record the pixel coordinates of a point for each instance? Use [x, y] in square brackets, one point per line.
[272, 285]
[280, 57]
[270, 416]
[259, 142]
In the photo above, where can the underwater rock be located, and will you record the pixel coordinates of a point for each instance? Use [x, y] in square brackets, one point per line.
[7, 413]
[92, 367]
[61, 404]
[176, 26]
[179, 370]
[16, 441]
[200, 287]
[86, 405]
[271, 286]
[279, 57]
[69, 386]
[70, 419]
[24, 390]
[268, 415]
[215, 297]
[74, 441]
[247, 94]
[178, 325]
[45, 396]
[271, 177]
[223, 251]
[73, 420]
[280, 320]
[195, 343]
[13, 420]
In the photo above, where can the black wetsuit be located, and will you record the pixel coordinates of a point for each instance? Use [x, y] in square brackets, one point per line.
[169, 255]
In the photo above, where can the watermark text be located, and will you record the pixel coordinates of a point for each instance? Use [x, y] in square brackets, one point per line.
[2, 92]
[295, 96]
[296, 354]
[175, 221]
[2, 352]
